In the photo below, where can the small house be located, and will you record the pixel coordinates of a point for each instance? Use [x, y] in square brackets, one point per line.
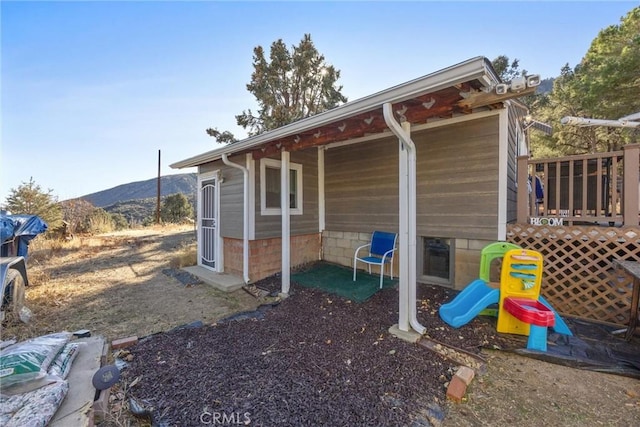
[433, 159]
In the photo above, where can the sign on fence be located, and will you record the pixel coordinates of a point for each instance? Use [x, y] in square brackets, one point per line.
[551, 221]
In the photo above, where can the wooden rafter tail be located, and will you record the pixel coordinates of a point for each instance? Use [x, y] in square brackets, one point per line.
[483, 99]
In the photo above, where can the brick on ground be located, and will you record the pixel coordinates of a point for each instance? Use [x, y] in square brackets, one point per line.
[466, 374]
[457, 389]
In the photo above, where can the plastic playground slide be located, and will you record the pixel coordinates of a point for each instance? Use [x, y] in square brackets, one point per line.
[469, 303]
[476, 297]
[560, 326]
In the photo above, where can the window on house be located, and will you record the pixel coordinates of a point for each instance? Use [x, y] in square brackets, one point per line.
[270, 187]
[437, 265]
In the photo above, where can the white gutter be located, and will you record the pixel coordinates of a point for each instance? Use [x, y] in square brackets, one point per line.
[407, 213]
[475, 68]
[245, 226]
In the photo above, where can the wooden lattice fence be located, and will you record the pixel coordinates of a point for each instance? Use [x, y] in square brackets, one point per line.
[580, 279]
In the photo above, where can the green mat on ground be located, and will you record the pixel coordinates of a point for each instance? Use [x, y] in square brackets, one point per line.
[338, 280]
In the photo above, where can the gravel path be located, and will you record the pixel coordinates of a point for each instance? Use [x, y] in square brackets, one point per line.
[315, 359]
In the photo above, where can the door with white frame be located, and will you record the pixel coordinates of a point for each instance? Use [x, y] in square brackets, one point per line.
[208, 224]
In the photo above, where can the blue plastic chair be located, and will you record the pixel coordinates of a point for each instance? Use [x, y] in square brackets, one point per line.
[381, 252]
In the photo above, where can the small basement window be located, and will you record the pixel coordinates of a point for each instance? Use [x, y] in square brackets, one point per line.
[270, 187]
[437, 256]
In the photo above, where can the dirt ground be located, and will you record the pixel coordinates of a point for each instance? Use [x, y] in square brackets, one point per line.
[114, 285]
[521, 391]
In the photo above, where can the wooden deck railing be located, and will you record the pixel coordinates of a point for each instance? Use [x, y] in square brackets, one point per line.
[600, 188]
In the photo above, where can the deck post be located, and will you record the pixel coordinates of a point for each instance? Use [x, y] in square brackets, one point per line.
[522, 198]
[631, 189]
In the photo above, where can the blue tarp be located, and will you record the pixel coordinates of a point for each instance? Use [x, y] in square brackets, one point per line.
[16, 231]
[6, 228]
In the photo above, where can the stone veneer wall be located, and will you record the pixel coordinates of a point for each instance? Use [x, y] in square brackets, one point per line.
[467, 261]
[339, 247]
[265, 254]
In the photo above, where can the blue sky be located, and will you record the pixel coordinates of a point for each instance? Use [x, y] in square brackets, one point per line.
[92, 90]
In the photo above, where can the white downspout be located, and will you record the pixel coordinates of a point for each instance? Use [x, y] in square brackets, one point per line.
[403, 231]
[321, 205]
[408, 214]
[286, 221]
[245, 226]
[503, 151]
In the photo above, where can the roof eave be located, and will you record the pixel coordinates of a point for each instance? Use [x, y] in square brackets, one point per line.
[475, 68]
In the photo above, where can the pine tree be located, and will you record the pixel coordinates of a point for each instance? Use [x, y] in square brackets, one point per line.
[30, 199]
[290, 86]
[605, 85]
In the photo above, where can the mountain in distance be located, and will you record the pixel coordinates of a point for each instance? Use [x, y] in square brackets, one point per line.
[137, 201]
[185, 183]
[546, 86]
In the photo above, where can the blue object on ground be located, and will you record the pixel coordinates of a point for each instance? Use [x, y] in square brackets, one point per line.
[537, 338]
[469, 303]
[560, 327]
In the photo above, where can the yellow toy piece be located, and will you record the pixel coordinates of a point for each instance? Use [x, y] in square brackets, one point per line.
[521, 277]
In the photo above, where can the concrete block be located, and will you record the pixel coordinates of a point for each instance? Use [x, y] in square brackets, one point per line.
[467, 256]
[124, 342]
[462, 244]
[350, 235]
[477, 245]
[365, 237]
[344, 243]
[457, 389]
[330, 242]
[334, 251]
[466, 374]
[409, 336]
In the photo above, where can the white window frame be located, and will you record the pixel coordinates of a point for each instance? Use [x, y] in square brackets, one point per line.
[276, 164]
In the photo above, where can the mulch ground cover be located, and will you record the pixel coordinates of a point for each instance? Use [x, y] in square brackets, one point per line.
[313, 359]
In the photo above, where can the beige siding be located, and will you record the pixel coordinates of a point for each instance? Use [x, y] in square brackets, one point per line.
[361, 187]
[458, 180]
[269, 226]
[231, 196]
[457, 189]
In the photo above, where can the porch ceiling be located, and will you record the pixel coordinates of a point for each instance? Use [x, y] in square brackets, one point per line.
[441, 104]
[445, 103]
